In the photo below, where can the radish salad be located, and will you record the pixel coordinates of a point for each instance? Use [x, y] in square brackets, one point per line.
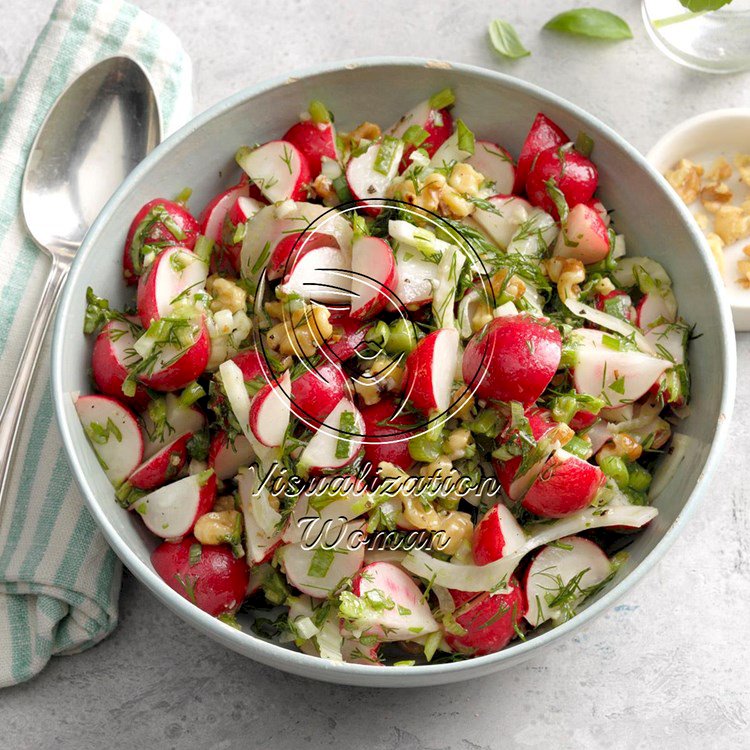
[396, 395]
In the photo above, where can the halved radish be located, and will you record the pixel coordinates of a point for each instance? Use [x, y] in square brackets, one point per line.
[513, 358]
[315, 140]
[270, 411]
[573, 562]
[171, 511]
[214, 214]
[320, 571]
[252, 364]
[617, 303]
[111, 358]
[177, 366]
[565, 485]
[226, 258]
[619, 377]
[157, 224]
[178, 421]
[496, 535]
[670, 341]
[170, 281]
[114, 434]
[369, 174]
[226, 457]
[316, 392]
[599, 207]
[351, 338]
[437, 125]
[652, 310]
[374, 275]
[163, 466]
[415, 279]
[278, 168]
[263, 524]
[337, 443]
[293, 247]
[584, 236]
[356, 651]
[508, 213]
[430, 369]
[387, 436]
[233, 384]
[323, 275]
[400, 611]
[542, 135]
[209, 576]
[495, 164]
[450, 152]
[489, 621]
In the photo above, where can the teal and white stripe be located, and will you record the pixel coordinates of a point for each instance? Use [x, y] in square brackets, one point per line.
[59, 581]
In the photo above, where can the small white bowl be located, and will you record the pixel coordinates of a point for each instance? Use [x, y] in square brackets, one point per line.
[723, 132]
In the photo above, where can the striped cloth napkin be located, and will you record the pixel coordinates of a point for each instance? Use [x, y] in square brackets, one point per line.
[59, 581]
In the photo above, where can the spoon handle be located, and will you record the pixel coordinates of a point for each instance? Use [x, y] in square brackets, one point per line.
[10, 417]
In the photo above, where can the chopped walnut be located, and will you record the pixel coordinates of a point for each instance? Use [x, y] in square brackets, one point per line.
[720, 170]
[717, 249]
[701, 220]
[515, 288]
[742, 162]
[465, 179]
[367, 131]
[714, 195]
[685, 178]
[731, 223]
[227, 295]
[303, 332]
[322, 188]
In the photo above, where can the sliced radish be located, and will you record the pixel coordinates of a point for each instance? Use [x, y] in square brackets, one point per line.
[599, 207]
[619, 377]
[369, 174]
[114, 434]
[509, 212]
[495, 164]
[270, 411]
[355, 651]
[337, 443]
[584, 236]
[650, 277]
[279, 170]
[170, 282]
[496, 535]
[263, 524]
[316, 392]
[163, 466]
[565, 485]
[293, 247]
[652, 310]
[557, 567]
[543, 134]
[428, 380]
[670, 341]
[209, 576]
[610, 322]
[239, 400]
[177, 366]
[171, 511]
[450, 152]
[316, 140]
[350, 338]
[489, 622]
[321, 571]
[323, 275]
[227, 457]
[374, 275]
[214, 214]
[416, 278]
[179, 420]
[111, 358]
[387, 438]
[401, 612]
[437, 124]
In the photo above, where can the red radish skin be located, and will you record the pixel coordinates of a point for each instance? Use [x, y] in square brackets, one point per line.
[226, 458]
[574, 174]
[316, 392]
[174, 275]
[374, 275]
[584, 236]
[114, 434]
[169, 375]
[544, 134]
[490, 621]
[252, 364]
[226, 256]
[582, 420]
[321, 274]
[158, 233]
[162, 467]
[428, 377]
[292, 248]
[496, 535]
[495, 164]
[652, 310]
[279, 169]
[216, 582]
[565, 485]
[214, 214]
[352, 334]
[109, 361]
[513, 358]
[438, 123]
[623, 303]
[315, 140]
[170, 512]
[393, 445]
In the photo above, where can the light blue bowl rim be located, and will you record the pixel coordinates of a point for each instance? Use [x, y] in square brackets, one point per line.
[269, 653]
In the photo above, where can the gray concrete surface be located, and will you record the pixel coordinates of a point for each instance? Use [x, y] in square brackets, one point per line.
[667, 668]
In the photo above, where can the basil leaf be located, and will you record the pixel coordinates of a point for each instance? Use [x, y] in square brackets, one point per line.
[700, 6]
[505, 40]
[591, 22]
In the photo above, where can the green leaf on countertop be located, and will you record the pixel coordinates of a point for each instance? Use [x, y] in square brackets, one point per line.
[591, 22]
[505, 40]
[700, 6]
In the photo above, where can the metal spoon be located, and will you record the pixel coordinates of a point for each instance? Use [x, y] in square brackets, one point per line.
[97, 131]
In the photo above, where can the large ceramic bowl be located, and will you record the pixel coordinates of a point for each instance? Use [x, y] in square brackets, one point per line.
[497, 107]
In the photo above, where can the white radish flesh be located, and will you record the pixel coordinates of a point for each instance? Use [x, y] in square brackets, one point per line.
[179, 421]
[277, 168]
[270, 411]
[364, 180]
[495, 164]
[258, 515]
[374, 275]
[330, 449]
[322, 275]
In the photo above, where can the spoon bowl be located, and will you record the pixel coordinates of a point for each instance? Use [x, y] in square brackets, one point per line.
[96, 132]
